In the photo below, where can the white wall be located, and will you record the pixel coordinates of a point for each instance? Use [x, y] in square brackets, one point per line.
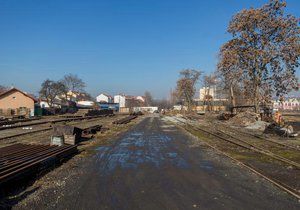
[204, 91]
[141, 98]
[119, 99]
[85, 103]
[103, 97]
[44, 104]
[150, 109]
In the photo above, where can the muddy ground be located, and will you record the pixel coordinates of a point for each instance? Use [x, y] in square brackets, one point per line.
[152, 166]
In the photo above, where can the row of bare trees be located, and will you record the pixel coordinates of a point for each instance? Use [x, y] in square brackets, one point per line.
[63, 89]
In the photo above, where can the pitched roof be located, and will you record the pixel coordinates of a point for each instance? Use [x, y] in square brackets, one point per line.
[109, 96]
[15, 89]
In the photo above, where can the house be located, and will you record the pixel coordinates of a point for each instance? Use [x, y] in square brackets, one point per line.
[121, 100]
[104, 98]
[17, 102]
[44, 104]
[288, 104]
[207, 91]
[73, 96]
[85, 104]
[141, 99]
[149, 109]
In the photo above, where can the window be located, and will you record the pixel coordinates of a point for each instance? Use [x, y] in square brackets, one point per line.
[14, 97]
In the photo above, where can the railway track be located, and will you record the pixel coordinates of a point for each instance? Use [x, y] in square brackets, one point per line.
[250, 146]
[51, 121]
[10, 122]
[264, 140]
[245, 145]
[47, 129]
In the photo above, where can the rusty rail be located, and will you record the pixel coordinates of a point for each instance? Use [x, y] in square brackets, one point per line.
[242, 144]
[53, 121]
[19, 160]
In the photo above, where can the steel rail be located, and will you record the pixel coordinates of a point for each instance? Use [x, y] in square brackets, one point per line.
[247, 145]
[265, 139]
[29, 162]
[20, 150]
[52, 121]
[254, 148]
[27, 158]
[23, 154]
[40, 130]
[280, 185]
[35, 163]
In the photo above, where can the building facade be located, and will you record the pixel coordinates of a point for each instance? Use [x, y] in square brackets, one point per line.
[104, 98]
[288, 104]
[121, 100]
[17, 102]
[206, 91]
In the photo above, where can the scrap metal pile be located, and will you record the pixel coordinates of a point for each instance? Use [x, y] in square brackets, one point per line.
[70, 134]
[22, 160]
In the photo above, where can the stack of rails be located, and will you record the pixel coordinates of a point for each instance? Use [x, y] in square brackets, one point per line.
[92, 129]
[52, 121]
[21, 160]
[104, 112]
[10, 122]
[125, 120]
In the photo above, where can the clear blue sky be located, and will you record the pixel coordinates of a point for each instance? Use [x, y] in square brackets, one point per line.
[126, 46]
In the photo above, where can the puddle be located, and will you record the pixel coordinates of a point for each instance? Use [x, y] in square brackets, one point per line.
[206, 165]
[172, 154]
[138, 148]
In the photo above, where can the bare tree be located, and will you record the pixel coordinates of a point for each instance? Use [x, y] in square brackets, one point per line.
[173, 98]
[186, 86]
[210, 82]
[73, 83]
[162, 104]
[264, 52]
[50, 90]
[148, 98]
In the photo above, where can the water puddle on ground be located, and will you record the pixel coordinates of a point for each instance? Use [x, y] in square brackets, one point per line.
[207, 165]
[137, 148]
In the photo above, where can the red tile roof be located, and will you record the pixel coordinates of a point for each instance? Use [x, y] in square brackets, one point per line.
[15, 89]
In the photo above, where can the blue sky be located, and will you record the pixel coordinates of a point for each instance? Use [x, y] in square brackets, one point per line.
[114, 45]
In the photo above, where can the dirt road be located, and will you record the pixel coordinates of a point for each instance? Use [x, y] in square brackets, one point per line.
[157, 166]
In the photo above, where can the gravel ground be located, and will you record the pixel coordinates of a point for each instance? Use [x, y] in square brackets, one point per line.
[153, 166]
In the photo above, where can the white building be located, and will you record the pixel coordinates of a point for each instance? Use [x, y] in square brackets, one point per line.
[85, 104]
[141, 98]
[149, 109]
[288, 104]
[179, 107]
[44, 104]
[206, 91]
[120, 99]
[104, 98]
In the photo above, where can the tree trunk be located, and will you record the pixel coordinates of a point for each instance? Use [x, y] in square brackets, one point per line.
[232, 98]
[256, 98]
